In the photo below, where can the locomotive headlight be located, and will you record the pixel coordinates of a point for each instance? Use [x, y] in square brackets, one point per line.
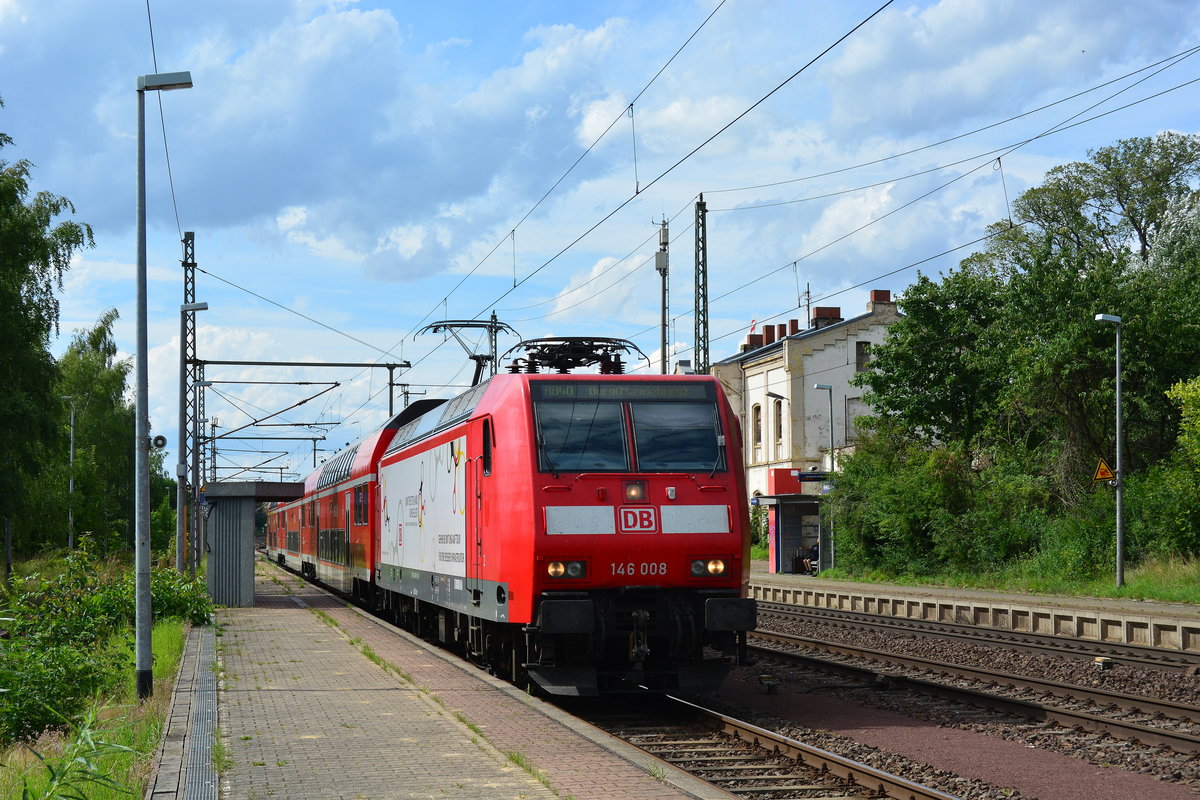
[702, 568]
[635, 491]
[566, 569]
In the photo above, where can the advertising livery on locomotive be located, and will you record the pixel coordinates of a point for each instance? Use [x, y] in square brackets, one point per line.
[585, 532]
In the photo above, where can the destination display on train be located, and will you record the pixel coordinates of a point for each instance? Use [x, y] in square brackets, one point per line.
[620, 390]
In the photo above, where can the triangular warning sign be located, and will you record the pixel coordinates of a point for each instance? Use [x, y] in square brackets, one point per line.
[1103, 473]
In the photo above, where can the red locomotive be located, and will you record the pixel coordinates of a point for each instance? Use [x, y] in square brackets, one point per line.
[587, 532]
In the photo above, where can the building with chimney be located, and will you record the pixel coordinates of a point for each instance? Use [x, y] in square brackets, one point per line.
[793, 432]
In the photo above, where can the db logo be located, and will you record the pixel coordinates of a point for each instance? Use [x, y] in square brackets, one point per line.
[637, 519]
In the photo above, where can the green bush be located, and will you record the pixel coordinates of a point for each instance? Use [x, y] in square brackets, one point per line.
[48, 685]
[1081, 545]
[68, 638]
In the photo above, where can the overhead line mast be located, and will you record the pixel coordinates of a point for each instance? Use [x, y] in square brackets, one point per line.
[702, 363]
[661, 264]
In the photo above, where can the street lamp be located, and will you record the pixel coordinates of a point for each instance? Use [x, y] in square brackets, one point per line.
[827, 388]
[141, 438]
[1119, 481]
[181, 471]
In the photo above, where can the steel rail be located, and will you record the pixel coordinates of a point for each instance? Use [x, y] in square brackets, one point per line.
[1144, 655]
[869, 778]
[1176, 740]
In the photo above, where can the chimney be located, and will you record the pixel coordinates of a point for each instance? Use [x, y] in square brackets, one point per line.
[754, 341]
[781, 330]
[793, 327]
[879, 297]
[768, 334]
[824, 316]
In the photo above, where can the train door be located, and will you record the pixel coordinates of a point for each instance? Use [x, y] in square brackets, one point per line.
[482, 467]
[349, 510]
[377, 529]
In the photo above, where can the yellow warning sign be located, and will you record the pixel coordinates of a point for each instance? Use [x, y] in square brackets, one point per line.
[1103, 473]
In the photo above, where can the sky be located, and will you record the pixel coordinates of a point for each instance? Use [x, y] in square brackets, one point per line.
[354, 171]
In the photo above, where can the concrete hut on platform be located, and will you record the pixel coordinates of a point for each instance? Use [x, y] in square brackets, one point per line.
[786, 422]
[229, 535]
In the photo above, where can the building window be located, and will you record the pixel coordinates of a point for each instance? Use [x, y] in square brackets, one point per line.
[756, 431]
[778, 411]
[862, 356]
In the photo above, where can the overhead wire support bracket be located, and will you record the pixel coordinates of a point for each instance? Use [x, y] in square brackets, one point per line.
[493, 327]
[213, 438]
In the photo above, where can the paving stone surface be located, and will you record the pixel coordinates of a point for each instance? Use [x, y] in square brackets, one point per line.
[305, 714]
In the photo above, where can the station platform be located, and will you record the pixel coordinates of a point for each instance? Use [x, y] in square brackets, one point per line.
[316, 700]
[1169, 626]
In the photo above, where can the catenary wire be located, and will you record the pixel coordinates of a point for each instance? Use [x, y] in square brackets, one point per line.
[163, 122]
[1062, 126]
[1173, 58]
[571, 168]
[687, 156]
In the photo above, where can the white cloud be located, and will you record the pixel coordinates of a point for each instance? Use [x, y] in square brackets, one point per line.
[11, 10]
[405, 240]
[849, 213]
[563, 55]
[921, 67]
[606, 288]
[292, 221]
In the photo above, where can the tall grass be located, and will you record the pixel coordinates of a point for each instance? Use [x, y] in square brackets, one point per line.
[108, 754]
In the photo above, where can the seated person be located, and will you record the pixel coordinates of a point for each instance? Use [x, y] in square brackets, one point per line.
[811, 561]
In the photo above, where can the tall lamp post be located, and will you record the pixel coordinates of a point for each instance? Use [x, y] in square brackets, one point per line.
[825, 387]
[1119, 481]
[141, 438]
[181, 470]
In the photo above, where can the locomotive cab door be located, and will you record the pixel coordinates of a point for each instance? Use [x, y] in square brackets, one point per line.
[481, 467]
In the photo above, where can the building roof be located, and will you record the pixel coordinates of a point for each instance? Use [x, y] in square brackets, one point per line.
[807, 333]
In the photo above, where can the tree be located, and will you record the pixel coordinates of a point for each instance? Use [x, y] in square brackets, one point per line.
[995, 392]
[935, 373]
[35, 251]
[97, 381]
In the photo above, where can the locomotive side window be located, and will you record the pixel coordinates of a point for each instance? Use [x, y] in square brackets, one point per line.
[487, 447]
[581, 436]
[677, 437]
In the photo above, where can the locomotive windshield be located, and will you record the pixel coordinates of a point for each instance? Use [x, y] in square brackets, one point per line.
[584, 426]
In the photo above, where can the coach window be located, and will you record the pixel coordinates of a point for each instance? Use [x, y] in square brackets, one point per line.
[487, 447]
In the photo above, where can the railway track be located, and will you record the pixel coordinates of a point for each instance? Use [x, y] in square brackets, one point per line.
[1138, 655]
[748, 761]
[1146, 720]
